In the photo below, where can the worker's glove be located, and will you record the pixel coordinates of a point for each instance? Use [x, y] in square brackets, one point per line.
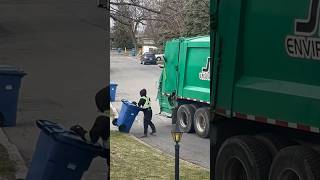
[79, 131]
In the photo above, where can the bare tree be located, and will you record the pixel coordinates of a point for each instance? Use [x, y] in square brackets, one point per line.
[140, 12]
[163, 19]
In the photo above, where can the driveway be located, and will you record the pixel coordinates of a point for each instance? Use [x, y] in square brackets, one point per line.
[61, 46]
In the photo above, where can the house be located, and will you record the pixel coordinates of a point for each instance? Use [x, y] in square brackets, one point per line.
[147, 44]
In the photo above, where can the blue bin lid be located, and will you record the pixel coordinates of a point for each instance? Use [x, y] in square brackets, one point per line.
[11, 70]
[58, 133]
[129, 103]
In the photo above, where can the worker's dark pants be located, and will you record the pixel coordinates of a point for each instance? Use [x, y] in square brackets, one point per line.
[147, 121]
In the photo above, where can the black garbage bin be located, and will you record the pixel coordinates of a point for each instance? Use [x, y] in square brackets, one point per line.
[61, 155]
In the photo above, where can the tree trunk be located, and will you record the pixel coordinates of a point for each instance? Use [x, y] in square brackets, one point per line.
[133, 37]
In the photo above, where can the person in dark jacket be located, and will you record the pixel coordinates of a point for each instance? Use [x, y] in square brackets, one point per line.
[145, 104]
[101, 126]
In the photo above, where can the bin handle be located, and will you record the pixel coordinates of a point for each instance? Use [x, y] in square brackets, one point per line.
[40, 122]
[49, 126]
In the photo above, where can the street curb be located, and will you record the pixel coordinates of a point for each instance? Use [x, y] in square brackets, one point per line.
[162, 152]
[14, 155]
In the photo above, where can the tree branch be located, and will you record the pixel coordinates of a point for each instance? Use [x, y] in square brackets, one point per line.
[136, 5]
[119, 20]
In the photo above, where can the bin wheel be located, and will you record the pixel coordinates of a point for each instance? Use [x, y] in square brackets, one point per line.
[121, 128]
[114, 122]
[1, 120]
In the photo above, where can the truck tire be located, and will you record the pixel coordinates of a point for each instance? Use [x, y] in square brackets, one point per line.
[242, 158]
[185, 116]
[202, 122]
[273, 142]
[194, 106]
[296, 163]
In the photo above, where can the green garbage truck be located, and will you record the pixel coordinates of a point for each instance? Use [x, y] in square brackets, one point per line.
[265, 90]
[184, 85]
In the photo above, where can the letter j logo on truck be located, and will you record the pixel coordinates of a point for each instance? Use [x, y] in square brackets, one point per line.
[305, 43]
[205, 72]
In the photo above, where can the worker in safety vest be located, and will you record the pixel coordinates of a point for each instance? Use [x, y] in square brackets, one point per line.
[145, 104]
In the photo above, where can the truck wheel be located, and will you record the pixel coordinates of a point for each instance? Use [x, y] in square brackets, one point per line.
[185, 117]
[274, 143]
[242, 158]
[295, 163]
[202, 122]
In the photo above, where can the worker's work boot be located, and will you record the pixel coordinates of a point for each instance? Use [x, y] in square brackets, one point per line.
[144, 136]
[153, 133]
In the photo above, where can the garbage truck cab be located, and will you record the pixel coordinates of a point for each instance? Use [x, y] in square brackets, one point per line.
[184, 85]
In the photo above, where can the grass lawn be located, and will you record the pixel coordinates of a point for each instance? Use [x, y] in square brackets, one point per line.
[7, 167]
[130, 159]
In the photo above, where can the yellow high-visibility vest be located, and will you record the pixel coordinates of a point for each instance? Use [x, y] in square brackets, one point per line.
[147, 104]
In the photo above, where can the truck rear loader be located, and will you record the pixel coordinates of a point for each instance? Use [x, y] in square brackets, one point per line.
[184, 86]
[265, 90]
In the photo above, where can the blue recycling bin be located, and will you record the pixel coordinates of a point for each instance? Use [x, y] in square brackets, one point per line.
[113, 91]
[127, 116]
[60, 154]
[10, 80]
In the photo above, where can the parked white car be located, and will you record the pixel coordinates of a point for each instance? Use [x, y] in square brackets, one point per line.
[159, 57]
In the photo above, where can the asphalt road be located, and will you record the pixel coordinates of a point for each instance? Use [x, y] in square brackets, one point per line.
[131, 77]
[60, 44]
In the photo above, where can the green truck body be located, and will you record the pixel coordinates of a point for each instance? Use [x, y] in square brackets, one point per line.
[265, 79]
[265, 62]
[185, 78]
